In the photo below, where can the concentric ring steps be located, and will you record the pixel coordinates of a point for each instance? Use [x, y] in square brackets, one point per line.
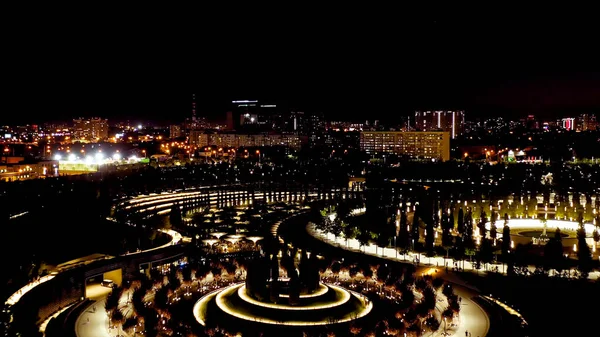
[335, 305]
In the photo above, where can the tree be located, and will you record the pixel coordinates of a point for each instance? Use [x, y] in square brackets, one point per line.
[493, 228]
[447, 315]
[112, 300]
[343, 210]
[129, 324]
[432, 323]
[415, 225]
[117, 317]
[486, 251]
[349, 231]
[505, 238]
[150, 322]
[430, 237]
[584, 254]
[460, 222]
[174, 281]
[363, 238]
[383, 272]
[137, 299]
[468, 233]
[447, 224]
[553, 252]
[403, 235]
[161, 298]
[481, 224]
[175, 216]
[186, 274]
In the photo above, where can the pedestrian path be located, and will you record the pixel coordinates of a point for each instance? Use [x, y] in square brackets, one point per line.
[420, 259]
[472, 318]
[93, 323]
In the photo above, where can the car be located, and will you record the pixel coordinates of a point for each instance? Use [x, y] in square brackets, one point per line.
[108, 284]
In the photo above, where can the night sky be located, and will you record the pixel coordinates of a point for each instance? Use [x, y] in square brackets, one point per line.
[352, 67]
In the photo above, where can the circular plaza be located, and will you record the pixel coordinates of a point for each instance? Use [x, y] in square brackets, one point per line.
[284, 292]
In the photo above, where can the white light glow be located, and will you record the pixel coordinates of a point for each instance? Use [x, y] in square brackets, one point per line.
[222, 303]
[537, 224]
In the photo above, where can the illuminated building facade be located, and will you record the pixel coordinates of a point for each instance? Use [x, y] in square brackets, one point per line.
[93, 129]
[174, 131]
[416, 144]
[587, 122]
[568, 124]
[450, 121]
[24, 171]
[236, 140]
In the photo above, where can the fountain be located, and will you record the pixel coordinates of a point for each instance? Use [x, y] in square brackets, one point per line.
[282, 288]
[543, 238]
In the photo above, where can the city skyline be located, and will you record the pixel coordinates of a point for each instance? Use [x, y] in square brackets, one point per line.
[545, 98]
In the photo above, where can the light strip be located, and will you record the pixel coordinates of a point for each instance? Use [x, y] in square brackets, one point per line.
[368, 306]
[537, 224]
[321, 291]
[345, 298]
[202, 304]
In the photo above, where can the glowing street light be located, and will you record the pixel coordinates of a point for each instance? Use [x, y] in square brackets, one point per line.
[99, 156]
[117, 156]
[57, 157]
[72, 157]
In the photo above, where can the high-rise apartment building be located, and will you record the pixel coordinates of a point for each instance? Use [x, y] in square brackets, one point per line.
[416, 144]
[586, 122]
[450, 121]
[175, 131]
[92, 129]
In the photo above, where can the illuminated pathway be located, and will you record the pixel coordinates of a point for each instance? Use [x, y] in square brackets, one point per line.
[14, 298]
[233, 301]
[392, 254]
[176, 238]
[94, 323]
[472, 317]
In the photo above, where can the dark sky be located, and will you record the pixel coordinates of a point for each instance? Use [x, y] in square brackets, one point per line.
[359, 66]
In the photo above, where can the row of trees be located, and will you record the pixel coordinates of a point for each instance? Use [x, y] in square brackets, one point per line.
[469, 238]
[151, 298]
[403, 313]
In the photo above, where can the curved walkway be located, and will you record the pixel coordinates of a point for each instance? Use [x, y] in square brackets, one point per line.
[472, 318]
[392, 254]
[93, 323]
[176, 238]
